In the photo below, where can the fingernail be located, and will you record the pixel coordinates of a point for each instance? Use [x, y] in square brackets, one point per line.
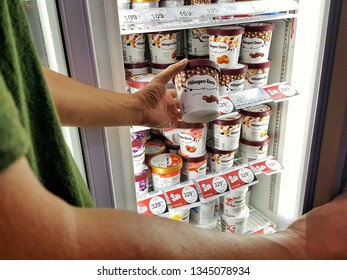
[183, 61]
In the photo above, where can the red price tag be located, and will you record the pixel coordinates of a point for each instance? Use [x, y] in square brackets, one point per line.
[268, 166]
[183, 195]
[239, 177]
[213, 186]
[280, 91]
[155, 205]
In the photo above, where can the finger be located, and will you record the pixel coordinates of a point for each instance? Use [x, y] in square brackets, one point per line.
[182, 124]
[173, 93]
[167, 75]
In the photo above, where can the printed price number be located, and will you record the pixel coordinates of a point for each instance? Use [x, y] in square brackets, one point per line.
[157, 15]
[212, 11]
[246, 175]
[221, 270]
[184, 13]
[130, 16]
[157, 205]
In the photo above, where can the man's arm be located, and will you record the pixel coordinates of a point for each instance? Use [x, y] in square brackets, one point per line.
[81, 105]
[34, 224]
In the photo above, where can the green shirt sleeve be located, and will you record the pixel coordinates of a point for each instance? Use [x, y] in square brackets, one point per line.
[13, 139]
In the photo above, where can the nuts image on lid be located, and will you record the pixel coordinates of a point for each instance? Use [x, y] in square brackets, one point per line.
[232, 80]
[255, 122]
[256, 41]
[163, 47]
[197, 88]
[133, 48]
[257, 74]
[224, 45]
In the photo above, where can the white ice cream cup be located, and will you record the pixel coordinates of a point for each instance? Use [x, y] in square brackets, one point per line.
[138, 82]
[193, 142]
[203, 214]
[197, 88]
[142, 181]
[137, 68]
[163, 47]
[232, 80]
[257, 74]
[193, 167]
[236, 225]
[234, 202]
[255, 122]
[227, 132]
[224, 45]
[138, 141]
[218, 159]
[134, 48]
[198, 42]
[253, 150]
[256, 42]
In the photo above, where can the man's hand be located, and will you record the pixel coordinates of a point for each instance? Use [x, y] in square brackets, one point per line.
[161, 109]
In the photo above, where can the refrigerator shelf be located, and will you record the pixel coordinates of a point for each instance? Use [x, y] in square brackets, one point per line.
[194, 16]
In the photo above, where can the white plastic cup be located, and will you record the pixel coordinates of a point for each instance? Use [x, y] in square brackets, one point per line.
[134, 48]
[232, 80]
[203, 214]
[198, 39]
[224, 45]
[163, 47]
[257, 74]
[256, 42]
[218, 159]
[255, 122]
[193, 167]
[197, 88]
[234, 202]
[253, 150]
[193, 142]
[235, 225]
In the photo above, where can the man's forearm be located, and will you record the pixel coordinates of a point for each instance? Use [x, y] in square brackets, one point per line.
[81, 105]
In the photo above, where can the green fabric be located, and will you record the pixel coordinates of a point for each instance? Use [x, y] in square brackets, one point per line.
[28, 120]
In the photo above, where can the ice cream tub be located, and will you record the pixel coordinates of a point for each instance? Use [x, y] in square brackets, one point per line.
[257, 74]
[171, 147]
[138, 151]
[193, 142]
[193, 167]
[153, 148]
[141, 181]
[236, 224]
[138, 82]
[233, 203]
[226, 132]
[198, 39]
[166, 170]
[255, 122]
[180, 215]
[203, 214]
[224, 45]
[197, 88]
[163, 47]
[232, 80]
[219, 160]
[141, 4]
[253, 150]
[256, 42]
[134, 48]
[137, 68]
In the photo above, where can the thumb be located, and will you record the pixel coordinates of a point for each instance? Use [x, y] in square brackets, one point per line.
[167, 75]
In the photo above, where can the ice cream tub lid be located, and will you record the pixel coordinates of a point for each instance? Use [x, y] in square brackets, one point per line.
[154, 148]
[166, 163]
[258, 26]
[257, 111]
[190, 56]
[202, 62]
[260, 65]
[238, 69]
[211, 148]
[232, 119]
[193, 159]
[160, 65]
[226, 30]
[256, 143]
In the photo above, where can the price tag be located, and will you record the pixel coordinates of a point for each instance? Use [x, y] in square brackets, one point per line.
[280, 91]
[268, 166]
[226, 106]
[212, 10]
[152, 204]
[249, 97]
[183, 195]
[213, 186]
[239, 177]
[230, 8]
[130, 16]
[185, 13]
[159, 14]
